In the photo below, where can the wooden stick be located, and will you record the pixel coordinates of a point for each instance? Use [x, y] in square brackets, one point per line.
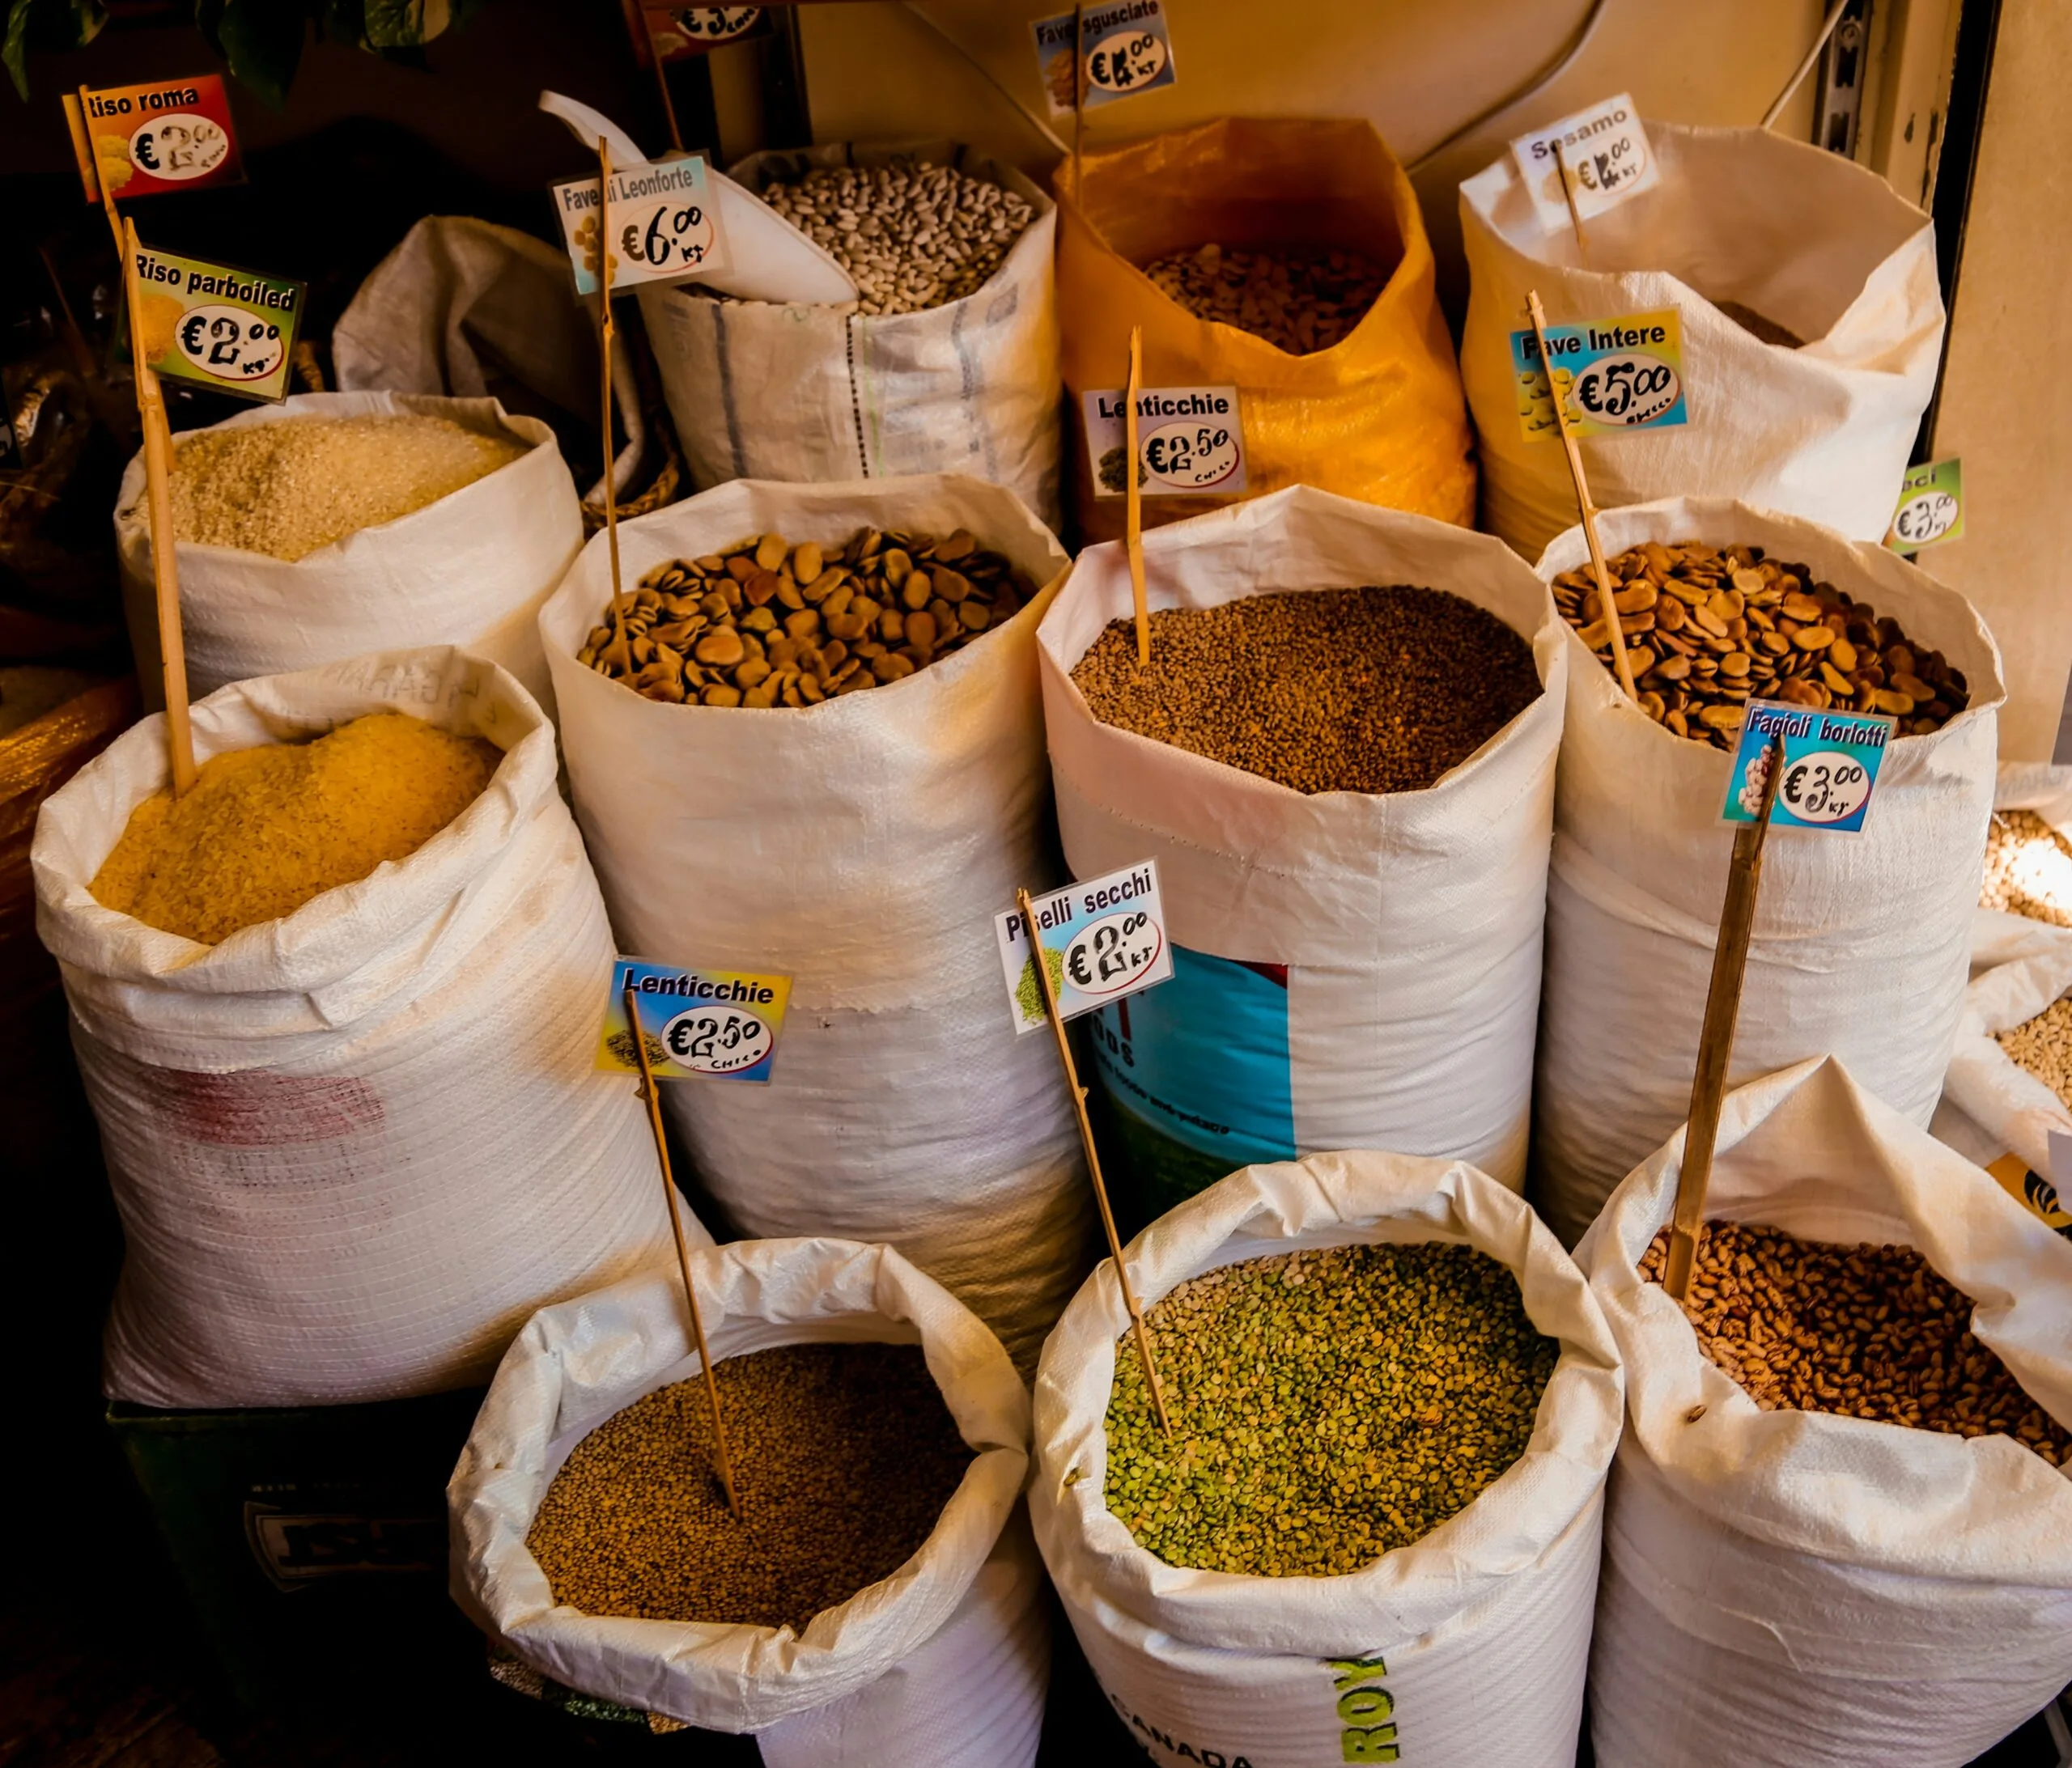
[608, 333]
[1621, 660]
[661, 76]
[1737, 923]
[1078, 97]
[683, 1252]
[1568, 195]
[1133, 531]
[1093, 1158]
[165, 568]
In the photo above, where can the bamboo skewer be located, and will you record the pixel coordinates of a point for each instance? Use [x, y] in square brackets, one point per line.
[1737, 923]
[1133, 508]
[1610, 612]
[1568, 195]
[1092, 1157]
[608, 334]
[661, 76]
[723, 1455]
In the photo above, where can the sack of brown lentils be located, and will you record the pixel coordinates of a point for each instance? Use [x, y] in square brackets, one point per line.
[392, 520]
[947, 364]
[1861, 942]
[1373, 1535]
[356, 1146]
[1811, 321]
[1288, 257]
[1354, 877]
[841, 837]
[1846, 1553]
[942, 1662]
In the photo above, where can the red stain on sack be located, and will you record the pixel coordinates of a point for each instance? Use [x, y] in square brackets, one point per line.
[260, 1109]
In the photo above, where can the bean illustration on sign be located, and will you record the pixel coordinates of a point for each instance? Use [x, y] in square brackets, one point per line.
[1101, 940]
[1604, 148]
[659, 225]
[1123, 49]
[720, 1023]
[1829, 767]
[214, 325]
[1931, 506]
[1191, 441]
[1615, 376]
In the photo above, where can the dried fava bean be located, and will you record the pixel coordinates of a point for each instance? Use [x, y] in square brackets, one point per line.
[1301, 298]
[1352, 690]
[707, 629]
[2029, 868]
[844, 1457]
[1864, 1331]
[2043, 1045]
[1327, 1404]
[1726, 625]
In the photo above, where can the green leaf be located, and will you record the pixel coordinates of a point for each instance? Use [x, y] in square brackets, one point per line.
[262, 41]
[48, 24]
[15, 52]
[401, 24]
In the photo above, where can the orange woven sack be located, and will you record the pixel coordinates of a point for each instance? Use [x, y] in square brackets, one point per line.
[1379, 415]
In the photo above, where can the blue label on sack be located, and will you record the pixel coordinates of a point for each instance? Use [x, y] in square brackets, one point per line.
[1831, 764]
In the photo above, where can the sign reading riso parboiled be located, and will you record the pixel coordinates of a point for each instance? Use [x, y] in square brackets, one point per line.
[164, 135]
[216, 326]
[659, 225]
[1830, 765]
[1615, 376]
[1101, 938]
[1125, 48]
[1189, 441]
[714, 1024]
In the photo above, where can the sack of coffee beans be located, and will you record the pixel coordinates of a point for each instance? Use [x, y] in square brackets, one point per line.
[839, 830]
[1861, 942]
[347, 536]
[597, 1425]
[1394, 1406]
[1287, 257]
[1353, 872]
[1840, 1530]
[1811, 322]
[948, 363]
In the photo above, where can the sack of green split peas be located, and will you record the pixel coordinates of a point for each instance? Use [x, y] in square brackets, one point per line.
[1840, 1526]
[1372, 1534]
[336, 1011]
[877, 1599]
[1862, 941]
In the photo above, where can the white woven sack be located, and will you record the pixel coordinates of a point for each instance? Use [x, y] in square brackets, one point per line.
[472, 568]
[355, 1147]
[1809, 1591]
[1861, 942]
[764, 391]
[1808, 239]
[860, 847]
[2015, 1109]
[1409, 922]
[1470, 1644]
[943, 1664]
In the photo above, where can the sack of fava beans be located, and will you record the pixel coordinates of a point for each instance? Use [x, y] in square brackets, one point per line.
[1373, 1533]
[337, 523]
[948, 363]
[1839, 1530]
[345, 1085]
[1811, 320]
[1861, 942]
[1354, 877]
[833, 761]
[879, 1600]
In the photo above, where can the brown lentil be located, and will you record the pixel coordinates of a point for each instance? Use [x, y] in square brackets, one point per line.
[766, 623]
[1862, 1331]
[2043, 1045]
[1301, 298]
[1763, 331]
[844, 1457]
[1327, 1404]
[1332, 690]
[2029, 868]
[1708, 629]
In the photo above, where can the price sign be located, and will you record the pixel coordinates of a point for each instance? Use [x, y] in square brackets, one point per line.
[2035, 1192]
[1605, 149]
[1614, 376]
[1191, 442]
[1117, 51]
[1831, 763]
[1931, 507]
[215, 326]
[1101, 940]
[720, 1024]
[679, 31]
[659, 226]
[143, 140]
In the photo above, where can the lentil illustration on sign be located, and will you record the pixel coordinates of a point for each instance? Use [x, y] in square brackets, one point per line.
[1614, 376]
[1101, 939]
[716, 1024]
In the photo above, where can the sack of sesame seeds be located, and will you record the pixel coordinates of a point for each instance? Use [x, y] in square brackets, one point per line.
[1862, 942]
[924, 376]
[1370, 405]
[1465, 1648]
[470, 568]
[1811, 319]
[1803, 1589]
[355, 1146]
[944, 1664]
[1352, 968]
[860, 846]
